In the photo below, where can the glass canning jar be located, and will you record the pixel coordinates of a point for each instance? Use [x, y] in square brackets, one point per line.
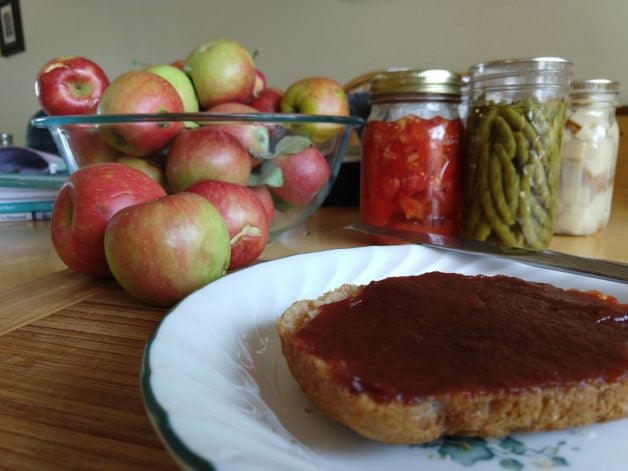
[515, 126]
[412, 153]
[588, 158]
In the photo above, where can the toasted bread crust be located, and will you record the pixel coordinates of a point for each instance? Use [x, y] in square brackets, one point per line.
[428, 418]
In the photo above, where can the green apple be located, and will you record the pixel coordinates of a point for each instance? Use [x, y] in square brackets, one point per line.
[182, 84]
[147, 166]
[316, 96]
[221, 70]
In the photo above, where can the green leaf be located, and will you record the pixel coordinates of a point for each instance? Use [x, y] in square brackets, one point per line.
[511, 464]
[466, 450]
[262, 155]
[268, 174]
[281, 205]
[512, 445]
[292, 145]
[558, 461]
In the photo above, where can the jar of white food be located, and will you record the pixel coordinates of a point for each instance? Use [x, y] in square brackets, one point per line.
[588, 158]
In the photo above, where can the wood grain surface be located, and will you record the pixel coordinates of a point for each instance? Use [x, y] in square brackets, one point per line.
[54, 292]
[69, 388]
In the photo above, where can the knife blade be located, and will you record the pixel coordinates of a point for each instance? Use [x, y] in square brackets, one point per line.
[614, 271]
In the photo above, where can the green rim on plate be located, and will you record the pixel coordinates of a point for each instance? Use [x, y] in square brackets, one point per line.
[159, 417]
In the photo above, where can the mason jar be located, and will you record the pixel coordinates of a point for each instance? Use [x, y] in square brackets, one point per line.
[588, 158]
[515, 127]
[412, 153]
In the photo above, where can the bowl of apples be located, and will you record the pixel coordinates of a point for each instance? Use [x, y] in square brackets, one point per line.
[290, 161]
[181, 172]
[185, 124]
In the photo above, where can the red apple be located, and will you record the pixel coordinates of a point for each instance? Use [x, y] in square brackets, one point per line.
[253, 136]
[161, 251]
[140, 92]
[268, 100]
[70, 85]
[304, 173]
[265, 196]
[316, 96]
[260, 83]
[222, 70]
[88, 146]
[206, 154]
[232, 107]
[86, 202]
[244, 215]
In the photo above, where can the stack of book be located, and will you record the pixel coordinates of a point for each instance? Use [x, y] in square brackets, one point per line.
[29, 183]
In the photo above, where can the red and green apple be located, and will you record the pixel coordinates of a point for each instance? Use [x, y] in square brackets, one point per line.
[244, 215]
[86, 202]
[69, 85]
[163, 250]
[138, 92]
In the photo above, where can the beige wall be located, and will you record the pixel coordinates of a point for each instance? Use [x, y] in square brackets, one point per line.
[296, 38]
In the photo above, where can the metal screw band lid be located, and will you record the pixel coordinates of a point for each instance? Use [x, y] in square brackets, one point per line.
[594, 86]
[588, 92]
[410, 81]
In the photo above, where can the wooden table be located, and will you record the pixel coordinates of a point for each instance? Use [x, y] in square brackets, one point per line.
[71, 347]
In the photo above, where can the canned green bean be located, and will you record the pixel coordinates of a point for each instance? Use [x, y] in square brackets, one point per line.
[515, 125]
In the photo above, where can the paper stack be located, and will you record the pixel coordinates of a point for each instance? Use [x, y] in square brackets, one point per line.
[29, 183]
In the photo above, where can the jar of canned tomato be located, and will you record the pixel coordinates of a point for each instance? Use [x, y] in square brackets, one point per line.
[412, 148]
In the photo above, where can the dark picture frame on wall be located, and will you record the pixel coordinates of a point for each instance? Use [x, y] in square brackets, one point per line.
[11, 34]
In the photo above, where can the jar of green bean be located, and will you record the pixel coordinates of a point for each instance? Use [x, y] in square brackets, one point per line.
[515, 126]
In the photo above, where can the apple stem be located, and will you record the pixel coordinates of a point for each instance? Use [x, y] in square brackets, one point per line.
[137, 62]
[248, 230]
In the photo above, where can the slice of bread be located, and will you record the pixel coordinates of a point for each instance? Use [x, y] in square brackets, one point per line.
[470, 413]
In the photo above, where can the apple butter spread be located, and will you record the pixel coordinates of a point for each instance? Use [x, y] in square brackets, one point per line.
[405, 338]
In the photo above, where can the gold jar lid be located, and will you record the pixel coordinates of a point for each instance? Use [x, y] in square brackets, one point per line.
[410, 81]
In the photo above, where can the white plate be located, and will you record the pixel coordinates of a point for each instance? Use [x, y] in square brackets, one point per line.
[219, 392]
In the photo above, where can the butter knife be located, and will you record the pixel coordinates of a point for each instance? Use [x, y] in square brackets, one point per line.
[614, 271]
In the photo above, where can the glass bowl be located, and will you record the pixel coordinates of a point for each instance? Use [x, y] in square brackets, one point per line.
[88, 139]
